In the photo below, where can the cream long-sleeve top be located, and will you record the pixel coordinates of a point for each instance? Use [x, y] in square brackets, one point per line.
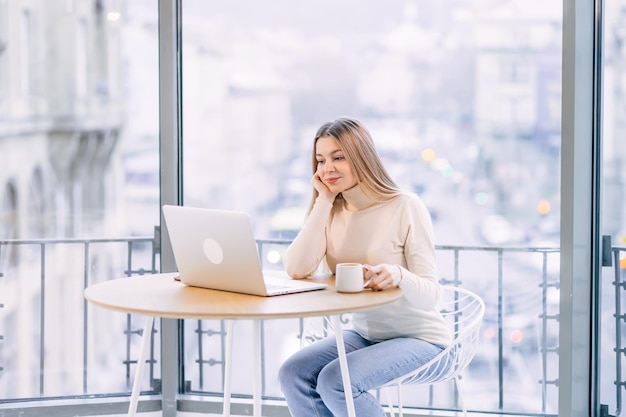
[396, 231]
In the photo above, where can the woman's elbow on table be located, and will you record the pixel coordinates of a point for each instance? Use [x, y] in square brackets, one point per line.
[297, 265]
[297, 273]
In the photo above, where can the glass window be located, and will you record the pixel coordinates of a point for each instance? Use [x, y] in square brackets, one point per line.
[78, 190]
[463, 101]
[612, 340]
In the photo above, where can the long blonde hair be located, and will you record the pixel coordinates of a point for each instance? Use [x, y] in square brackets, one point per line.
[359, 149]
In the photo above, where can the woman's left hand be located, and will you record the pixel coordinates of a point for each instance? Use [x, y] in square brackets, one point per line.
[382, 276]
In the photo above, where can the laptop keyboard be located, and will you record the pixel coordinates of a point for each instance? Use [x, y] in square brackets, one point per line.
[276, 287]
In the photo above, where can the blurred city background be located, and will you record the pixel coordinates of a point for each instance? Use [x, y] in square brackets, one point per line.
[462, 98]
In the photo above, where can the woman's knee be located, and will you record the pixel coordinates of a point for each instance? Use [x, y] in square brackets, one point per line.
[297, 367]
[329, 381]
[287, 371]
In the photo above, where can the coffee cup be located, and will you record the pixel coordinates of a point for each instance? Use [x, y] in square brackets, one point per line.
[349, 277]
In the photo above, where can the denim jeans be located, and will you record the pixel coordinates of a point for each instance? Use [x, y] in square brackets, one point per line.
[311, 378]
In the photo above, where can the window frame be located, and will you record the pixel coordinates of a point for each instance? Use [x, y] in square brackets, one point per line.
[580, 204]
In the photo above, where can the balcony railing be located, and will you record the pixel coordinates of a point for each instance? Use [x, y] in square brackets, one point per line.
[41, 303]
[619, 283]
[35, 276]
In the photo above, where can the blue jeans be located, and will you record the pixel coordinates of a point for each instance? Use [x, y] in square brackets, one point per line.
[311, 378]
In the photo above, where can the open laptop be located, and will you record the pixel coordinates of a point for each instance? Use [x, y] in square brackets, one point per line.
[216, 249]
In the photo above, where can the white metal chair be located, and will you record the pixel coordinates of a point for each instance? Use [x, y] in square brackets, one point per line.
[463, 311]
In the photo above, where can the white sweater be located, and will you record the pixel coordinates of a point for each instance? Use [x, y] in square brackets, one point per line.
[398, 231]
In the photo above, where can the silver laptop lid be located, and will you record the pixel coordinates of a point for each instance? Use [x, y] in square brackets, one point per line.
[215, 249]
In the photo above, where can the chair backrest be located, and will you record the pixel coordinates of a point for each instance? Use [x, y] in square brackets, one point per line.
[462, 310]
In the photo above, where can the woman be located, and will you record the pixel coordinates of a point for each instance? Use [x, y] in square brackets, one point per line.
[358, 214]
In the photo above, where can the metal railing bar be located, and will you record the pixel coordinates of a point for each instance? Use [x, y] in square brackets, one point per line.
[156, 249]
[85, 316]
[263, 370]
[223, 331]
[42, 317]
[498, 248]
[129, 263]
[152, 360]
[128, 318]
[76, 240]
[204, 406]
[456, 248]
[21, 400]
[544, 330]
[457, 270]
[199, 332]
[500, 332]
[618, 332]
[128, 360]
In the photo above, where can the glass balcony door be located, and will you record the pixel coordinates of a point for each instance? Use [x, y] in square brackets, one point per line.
[463, 101]
[612, 375]
[79, 189]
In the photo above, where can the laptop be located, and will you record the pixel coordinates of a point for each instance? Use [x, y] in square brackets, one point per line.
[216, 249]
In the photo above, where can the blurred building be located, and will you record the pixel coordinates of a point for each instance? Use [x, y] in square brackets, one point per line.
[60, 117]
[60, 91]
[239, 118]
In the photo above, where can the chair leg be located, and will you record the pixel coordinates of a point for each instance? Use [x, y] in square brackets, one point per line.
[228, 367]
[389, 401]
[457, 383]
[141, 362]
[400, 401]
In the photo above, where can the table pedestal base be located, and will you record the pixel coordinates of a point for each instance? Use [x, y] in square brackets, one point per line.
[228, 354]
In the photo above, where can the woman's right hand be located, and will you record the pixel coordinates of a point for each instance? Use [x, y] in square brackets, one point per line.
[323, 190]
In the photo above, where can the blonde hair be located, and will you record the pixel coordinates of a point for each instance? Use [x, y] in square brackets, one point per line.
[358, 147]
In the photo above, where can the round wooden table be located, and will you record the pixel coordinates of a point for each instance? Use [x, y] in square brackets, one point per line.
[160, 295]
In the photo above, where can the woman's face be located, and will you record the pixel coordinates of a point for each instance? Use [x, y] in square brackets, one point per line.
[333, 168]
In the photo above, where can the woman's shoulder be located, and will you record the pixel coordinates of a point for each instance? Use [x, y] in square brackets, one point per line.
[409, 205]
[411, 208]
[407, 199]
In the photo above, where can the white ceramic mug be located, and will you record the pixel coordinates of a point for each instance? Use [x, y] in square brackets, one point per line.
[349, 277]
